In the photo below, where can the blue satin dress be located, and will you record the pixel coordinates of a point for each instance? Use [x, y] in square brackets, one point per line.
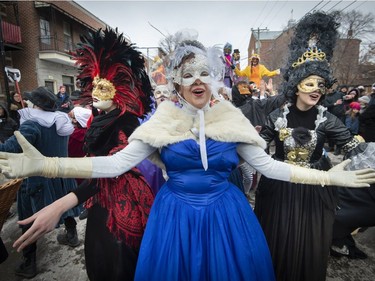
[201, 227]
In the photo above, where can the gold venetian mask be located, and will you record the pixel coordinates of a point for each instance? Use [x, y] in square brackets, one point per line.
[103, 89]
[311, 84]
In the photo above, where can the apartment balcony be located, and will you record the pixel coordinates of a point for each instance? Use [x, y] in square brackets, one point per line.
[11, 36]
[55, 49]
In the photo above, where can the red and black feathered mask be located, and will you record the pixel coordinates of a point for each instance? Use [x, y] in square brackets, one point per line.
[106, 57]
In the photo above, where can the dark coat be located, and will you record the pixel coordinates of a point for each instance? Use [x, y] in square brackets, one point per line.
[257, 110]
[38, 192]
[64, 103]
[7, 125]
[337, 110]
[237, 98]
[367, 123]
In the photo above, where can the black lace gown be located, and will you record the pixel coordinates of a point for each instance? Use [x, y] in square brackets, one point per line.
[297, 219]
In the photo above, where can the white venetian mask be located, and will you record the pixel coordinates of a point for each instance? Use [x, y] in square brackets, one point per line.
[193, 69]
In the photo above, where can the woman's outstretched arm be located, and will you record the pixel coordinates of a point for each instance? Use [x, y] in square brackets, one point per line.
[32, 163]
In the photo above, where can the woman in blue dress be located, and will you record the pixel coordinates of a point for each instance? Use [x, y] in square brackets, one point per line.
[201, 227]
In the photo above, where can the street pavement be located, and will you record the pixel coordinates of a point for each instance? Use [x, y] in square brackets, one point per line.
[63, 263]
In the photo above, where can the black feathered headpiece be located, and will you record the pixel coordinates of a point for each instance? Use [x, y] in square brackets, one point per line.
[310, 51]
[106, 54]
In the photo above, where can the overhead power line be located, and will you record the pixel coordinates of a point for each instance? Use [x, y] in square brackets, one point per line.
[362, 2]
[334, 5]
[157, 30]
[260, 13]
[269, 12]
[348, 6]
[277, 13]
[315, 6]
[321, 8]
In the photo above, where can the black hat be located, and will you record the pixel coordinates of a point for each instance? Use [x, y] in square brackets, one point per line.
[75, 95]
[310, 51]
[43, 98]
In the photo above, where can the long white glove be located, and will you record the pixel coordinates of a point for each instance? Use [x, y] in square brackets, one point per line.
[335, 176]
[32, 163]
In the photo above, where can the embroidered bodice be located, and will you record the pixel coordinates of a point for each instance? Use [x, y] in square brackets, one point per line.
[297, 152]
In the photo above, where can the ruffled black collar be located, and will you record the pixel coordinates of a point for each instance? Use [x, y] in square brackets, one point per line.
[102, 135]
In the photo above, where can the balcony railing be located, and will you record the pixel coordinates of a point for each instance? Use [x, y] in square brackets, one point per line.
[53, 43]
[11, 33]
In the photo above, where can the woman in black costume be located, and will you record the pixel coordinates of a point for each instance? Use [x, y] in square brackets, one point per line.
[297, 219]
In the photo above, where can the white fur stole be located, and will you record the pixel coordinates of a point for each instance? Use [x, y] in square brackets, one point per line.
[171, 124]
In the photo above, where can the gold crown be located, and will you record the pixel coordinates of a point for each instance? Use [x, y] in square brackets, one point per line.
[312, 54]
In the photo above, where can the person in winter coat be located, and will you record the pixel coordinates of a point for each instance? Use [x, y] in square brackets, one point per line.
[7, 124]
[352, 120]
[353, 95]
[15, 105]
[367, 119]
[48, 130]
[64, 102]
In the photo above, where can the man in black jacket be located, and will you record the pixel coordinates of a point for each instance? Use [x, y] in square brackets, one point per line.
[64, 103]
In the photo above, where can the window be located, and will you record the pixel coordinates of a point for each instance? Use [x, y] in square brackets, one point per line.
[49, 85]
[45, 32]
[68, 82]
[68, 42]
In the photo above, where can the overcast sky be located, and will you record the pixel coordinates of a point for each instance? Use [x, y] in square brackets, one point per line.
[217, 22]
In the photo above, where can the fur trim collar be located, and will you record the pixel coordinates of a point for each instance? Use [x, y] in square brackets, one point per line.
[171, 124]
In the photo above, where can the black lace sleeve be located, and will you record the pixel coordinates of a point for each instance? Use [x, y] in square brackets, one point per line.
[85, 190]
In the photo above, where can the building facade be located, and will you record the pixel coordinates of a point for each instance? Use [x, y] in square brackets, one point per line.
[48, 31]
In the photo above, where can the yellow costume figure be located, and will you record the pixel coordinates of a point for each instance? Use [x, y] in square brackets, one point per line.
[158, 72]
[256, 71]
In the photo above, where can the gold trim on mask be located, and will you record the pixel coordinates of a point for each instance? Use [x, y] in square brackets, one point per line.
[312, 84]
[103, 89]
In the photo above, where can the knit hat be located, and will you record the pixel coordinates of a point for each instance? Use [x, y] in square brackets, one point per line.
[364, 99]
[355, 105]
[43, 98]
[354, 90]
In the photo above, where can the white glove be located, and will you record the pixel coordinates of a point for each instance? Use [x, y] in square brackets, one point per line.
[32, 163]
[335, 176]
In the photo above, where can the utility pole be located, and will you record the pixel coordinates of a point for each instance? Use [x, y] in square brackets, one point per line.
[148, 56]
[257, 45]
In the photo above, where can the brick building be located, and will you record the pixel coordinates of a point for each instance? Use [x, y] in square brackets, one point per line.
[47, 31]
